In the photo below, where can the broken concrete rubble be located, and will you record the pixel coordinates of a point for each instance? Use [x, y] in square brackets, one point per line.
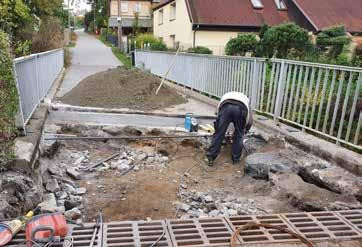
[52, 185]
[73, 214]
[332, 178]
[71, 171]
[261, 165]
[309, 197]
[49, 204]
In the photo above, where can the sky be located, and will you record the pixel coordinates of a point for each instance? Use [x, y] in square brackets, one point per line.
[78, 4]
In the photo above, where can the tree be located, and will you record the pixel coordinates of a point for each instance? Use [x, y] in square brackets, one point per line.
[284, 39]
[14, 14]
[241, 45]
[334, 38]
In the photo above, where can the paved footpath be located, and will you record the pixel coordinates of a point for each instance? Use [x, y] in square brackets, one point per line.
[89, 57]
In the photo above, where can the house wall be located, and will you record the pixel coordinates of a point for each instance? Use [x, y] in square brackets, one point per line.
[214, 40]
[116, 11]
[181, 26]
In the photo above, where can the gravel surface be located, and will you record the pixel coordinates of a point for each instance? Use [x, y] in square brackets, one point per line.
[123, 88]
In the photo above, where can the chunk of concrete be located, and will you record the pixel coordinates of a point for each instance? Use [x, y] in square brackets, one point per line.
[260, 165]
[333, 178]
[52, 185]
[54, 169]
[72, 172]
[48, 148]
[49, 204]
[80, 191]
[73, 214]
[309, 197]
[23, 152]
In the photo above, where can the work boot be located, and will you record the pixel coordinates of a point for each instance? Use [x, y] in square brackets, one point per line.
[209, 161]
[236, 161]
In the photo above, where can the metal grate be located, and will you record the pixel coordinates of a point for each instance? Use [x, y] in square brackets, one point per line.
[321, 225]
[138, 233]
[353, 217]
[261, 234]
[200, 232]
[82, 235]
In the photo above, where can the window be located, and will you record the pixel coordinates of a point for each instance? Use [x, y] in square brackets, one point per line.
[173, 11]
[160, 17]
[124, 7]
[280, 4]
[257, 4]
[137, 8]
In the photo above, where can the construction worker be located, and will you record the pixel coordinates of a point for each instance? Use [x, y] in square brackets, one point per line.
[233, 108]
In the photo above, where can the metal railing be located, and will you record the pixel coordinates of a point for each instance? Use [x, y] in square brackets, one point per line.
[35, 75]
[320, 98]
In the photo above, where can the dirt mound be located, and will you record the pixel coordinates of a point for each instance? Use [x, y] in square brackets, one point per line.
[122, 88]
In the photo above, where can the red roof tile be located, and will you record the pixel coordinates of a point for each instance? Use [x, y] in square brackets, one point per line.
[326, 13]
[236, 12]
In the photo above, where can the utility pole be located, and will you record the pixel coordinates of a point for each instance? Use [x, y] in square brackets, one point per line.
[69, 21]
[94, 16]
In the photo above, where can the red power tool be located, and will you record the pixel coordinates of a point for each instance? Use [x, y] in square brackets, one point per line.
[46, 228]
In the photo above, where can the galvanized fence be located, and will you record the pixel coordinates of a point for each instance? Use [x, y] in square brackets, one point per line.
[323, 99]
[35, 75]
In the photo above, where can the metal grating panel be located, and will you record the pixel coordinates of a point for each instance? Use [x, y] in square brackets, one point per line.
[138, 233]
[321, 226]
[200, 232]
[261, 234]
[353, 217]
[82, 235]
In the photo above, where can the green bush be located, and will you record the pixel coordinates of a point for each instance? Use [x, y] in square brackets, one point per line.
[8, 100]
[333, 39]
[158, 46]
[284, 39]
[241, 45]
[199, 50]
[144, 39]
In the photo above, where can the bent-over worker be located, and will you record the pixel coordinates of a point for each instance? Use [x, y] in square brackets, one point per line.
[233, 108]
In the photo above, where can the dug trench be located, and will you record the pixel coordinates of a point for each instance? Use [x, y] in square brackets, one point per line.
[168, 178]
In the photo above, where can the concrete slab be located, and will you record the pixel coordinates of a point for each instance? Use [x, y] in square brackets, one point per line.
[136, 120]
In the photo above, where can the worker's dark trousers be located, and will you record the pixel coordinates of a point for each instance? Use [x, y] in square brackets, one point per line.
[229, 113]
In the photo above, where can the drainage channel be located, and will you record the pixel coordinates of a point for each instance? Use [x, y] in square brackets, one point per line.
[202, 232]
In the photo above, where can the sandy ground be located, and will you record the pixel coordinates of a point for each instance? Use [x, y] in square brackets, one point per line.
[123, 88]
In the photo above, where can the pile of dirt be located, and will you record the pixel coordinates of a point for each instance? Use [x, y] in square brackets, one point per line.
[123, 88]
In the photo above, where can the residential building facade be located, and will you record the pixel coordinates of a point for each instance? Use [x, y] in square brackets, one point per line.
[123, 13]
[211, 23]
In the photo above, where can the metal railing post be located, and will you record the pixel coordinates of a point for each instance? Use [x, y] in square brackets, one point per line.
[280, 93]
[254, 86]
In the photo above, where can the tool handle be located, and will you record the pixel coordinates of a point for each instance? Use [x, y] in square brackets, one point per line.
[42, 229]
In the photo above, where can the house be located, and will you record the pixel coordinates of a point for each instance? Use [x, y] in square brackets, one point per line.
[123, 14]
[211, 23]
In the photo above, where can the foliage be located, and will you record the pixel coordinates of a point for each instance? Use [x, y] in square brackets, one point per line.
[23, 48]
[99, 12]
[284, 39]
[43, 8]
[158, 46]
[241, 45]
[199, 50]
[13, 15]
[333, 38]
[8, 100]
[263, 30]
[144, 39]
[49, 37]
[122, 57]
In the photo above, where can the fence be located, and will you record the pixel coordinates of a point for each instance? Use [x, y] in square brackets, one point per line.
[35, 75]
[323, 99]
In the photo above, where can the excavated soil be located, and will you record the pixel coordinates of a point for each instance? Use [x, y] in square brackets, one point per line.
[154, 193]
[123, 88]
